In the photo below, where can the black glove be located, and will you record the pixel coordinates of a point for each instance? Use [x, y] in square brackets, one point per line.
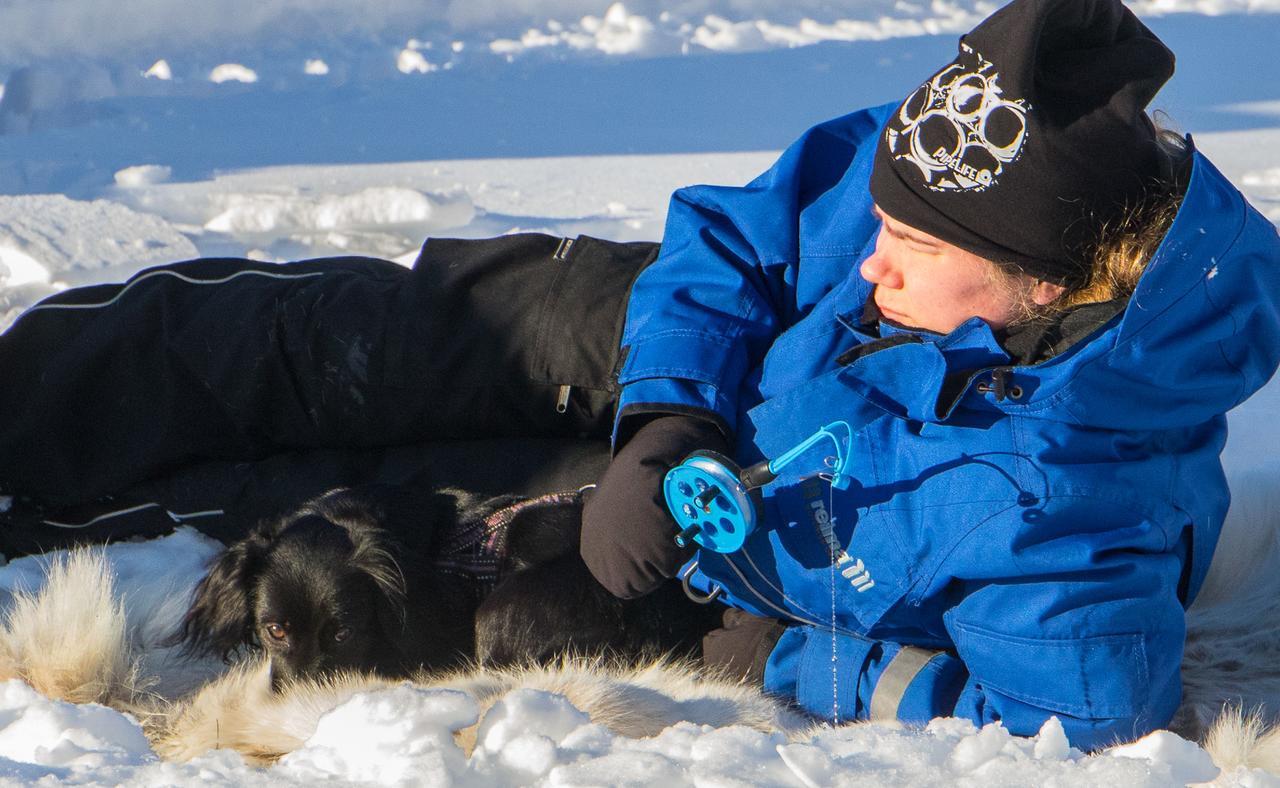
[742, 646]
[628, 536]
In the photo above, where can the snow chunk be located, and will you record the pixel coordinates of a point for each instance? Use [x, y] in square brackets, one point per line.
[372, 207]
[36, 730]
[550, 714]
[1185, 762]
[976, 750]
[49, 241]
[18, 269]
[622, 33]
[67, 236]
[232, 72]
[1051, 742]
[411, 61]
[722, 35]
[402, 735]
[316, 67]
[159, 70]
[521, 734]
[812, 765]
[142, 175]
[618, 32]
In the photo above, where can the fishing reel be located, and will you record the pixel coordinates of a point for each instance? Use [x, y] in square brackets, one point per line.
[711, 498]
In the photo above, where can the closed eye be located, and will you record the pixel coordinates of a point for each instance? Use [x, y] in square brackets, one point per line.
[342, 634]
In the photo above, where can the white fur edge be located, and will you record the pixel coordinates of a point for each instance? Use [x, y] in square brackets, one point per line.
[240, 712]
[69, 640]
[1239, 741]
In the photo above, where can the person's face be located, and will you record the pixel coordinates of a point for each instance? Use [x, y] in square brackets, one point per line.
[924, 282]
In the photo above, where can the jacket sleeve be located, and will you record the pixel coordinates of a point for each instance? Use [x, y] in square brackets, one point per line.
[727, 281]
[1091, 631]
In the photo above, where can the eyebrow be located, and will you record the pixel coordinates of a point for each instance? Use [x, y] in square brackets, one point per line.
[901, 231]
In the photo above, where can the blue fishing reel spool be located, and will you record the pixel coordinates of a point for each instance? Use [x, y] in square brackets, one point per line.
[709, 502]
[710, 496]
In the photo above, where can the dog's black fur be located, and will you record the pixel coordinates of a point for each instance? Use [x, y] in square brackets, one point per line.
[348, 582]
[324, 589]
[549, 604]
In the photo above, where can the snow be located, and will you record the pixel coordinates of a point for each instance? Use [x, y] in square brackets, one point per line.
[392, 737]
[1185, 762]
[142, 175]
[411, 61]
[1264, 186]
[232, 72]
[66, 736]
[18, 269]
[133, 134]
[159, 70]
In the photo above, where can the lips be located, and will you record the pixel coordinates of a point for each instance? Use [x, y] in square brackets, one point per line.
[892, 314]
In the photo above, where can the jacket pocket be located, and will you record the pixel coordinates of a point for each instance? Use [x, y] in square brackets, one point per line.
[580, 330]
[1096, 677]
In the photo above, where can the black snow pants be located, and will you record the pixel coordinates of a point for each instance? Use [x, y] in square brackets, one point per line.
[225, 383]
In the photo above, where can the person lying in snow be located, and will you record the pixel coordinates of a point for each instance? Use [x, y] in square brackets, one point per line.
[1031, 307]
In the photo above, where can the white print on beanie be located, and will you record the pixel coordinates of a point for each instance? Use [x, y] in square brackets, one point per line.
[958, 127]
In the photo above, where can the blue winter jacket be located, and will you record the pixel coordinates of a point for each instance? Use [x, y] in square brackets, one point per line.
[997, 557]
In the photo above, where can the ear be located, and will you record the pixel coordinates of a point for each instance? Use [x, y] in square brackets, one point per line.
[220, 619]
[1044, 293]
[362, 513]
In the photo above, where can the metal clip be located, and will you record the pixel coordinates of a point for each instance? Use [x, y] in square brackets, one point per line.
[999, 385]
[694, 596]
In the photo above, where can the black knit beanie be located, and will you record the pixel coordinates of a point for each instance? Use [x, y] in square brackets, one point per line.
[1021, 148]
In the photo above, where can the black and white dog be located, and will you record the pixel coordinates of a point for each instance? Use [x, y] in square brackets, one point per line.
[382, 580]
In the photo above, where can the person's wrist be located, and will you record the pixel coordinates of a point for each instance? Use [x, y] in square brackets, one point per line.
[693, 429]
[628, 536]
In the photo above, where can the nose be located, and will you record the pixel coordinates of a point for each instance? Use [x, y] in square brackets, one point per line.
[880, 268]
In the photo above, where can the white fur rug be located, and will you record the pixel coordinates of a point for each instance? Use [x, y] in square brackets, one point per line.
[80, 628]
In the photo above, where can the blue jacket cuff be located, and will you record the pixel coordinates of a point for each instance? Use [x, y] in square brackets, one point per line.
[839, 679]
[674, 395]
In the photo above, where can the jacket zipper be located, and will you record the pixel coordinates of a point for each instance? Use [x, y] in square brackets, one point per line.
[562, 254]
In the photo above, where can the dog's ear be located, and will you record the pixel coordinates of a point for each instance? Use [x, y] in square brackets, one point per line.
[220, 619]
[368, 514]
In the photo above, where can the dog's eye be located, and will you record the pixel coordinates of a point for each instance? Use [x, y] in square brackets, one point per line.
[276, 631]
[342, 634]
